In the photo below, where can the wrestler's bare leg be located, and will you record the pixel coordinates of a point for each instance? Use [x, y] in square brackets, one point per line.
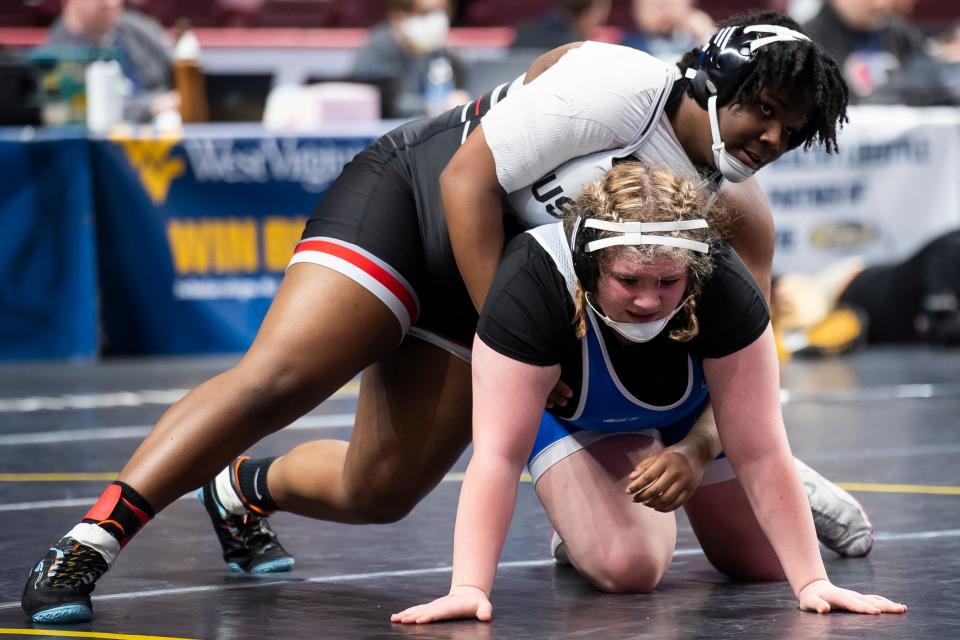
[618, 545]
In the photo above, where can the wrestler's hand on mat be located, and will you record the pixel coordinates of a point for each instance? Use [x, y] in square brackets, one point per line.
[461, 602]
[558, 397]
[823, 597]
[666, 480]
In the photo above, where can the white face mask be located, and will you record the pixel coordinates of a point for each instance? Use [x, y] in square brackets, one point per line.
[426, 32]
[635, 331]
[727, 164]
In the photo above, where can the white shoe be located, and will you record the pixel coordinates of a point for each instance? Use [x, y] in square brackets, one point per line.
[558, 549]
[841, 522]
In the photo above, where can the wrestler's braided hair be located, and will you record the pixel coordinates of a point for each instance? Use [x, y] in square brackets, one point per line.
[800, 69]
[636, 192]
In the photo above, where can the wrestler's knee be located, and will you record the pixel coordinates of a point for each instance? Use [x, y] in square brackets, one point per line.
[379, 500]
[272, 387]
[617, 568]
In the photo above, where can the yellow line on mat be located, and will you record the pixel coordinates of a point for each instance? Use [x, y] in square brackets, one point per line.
[899, 488]
[56, 477]
[55, 633]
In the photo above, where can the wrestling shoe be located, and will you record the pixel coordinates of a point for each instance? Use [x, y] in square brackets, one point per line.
[558, 550]
[843, 329]
[249, 544]
[58, 589]
[842, 524]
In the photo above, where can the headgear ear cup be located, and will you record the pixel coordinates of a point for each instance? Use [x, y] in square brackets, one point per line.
[729, 56]
[699, 84]
[584, 265]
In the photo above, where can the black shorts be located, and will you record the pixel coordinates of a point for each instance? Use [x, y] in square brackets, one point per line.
[381, 224]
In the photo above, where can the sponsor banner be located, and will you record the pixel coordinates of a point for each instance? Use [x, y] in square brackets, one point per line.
[195, 232]
[48, 299]
[893, 187]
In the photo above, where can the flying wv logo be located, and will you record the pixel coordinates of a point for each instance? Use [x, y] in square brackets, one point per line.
[151, 159]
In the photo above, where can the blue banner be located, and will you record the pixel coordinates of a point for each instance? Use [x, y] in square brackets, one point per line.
[48, 297]
[194, 232]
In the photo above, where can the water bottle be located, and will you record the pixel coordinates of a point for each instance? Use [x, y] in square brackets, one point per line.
[104, 86]
[438, 86]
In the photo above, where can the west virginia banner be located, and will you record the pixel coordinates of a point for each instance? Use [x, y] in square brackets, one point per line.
[48, 296]
[195, 232]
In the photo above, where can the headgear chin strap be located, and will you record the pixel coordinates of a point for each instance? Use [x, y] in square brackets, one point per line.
[724, 64]
[727, 164]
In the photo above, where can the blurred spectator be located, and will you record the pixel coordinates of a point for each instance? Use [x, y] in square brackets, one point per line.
[668, 28]
[407, 56]
[867, 40]
[136, 40]
[946, 44]
[801, 10]
[903, 8]
[569, 21]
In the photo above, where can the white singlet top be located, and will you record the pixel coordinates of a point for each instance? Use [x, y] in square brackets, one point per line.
[566, 128]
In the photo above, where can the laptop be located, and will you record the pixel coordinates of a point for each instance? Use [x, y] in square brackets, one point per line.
[237, 97]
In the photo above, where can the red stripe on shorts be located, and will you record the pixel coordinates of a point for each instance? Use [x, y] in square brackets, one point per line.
[368, 266]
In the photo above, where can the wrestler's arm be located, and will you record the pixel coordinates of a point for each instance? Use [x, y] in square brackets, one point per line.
[472, 197]
[746, 397]
[508, 398]
[667, 479]
[752, 230]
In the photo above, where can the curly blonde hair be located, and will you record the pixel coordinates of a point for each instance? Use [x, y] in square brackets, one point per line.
[636, 192]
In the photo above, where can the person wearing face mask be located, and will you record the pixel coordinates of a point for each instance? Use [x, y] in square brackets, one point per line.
[638, 304]
[408, 53]
[374, 286]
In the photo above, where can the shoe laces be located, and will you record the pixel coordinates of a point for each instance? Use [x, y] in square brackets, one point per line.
[257, 534]
[79, 564]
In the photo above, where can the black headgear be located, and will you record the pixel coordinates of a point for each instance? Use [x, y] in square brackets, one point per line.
[728, 58]
[585, 266]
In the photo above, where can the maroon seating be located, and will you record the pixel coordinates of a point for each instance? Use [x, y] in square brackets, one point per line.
[359, 14]
[499, 13]
[298, 13]
[28, 13]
